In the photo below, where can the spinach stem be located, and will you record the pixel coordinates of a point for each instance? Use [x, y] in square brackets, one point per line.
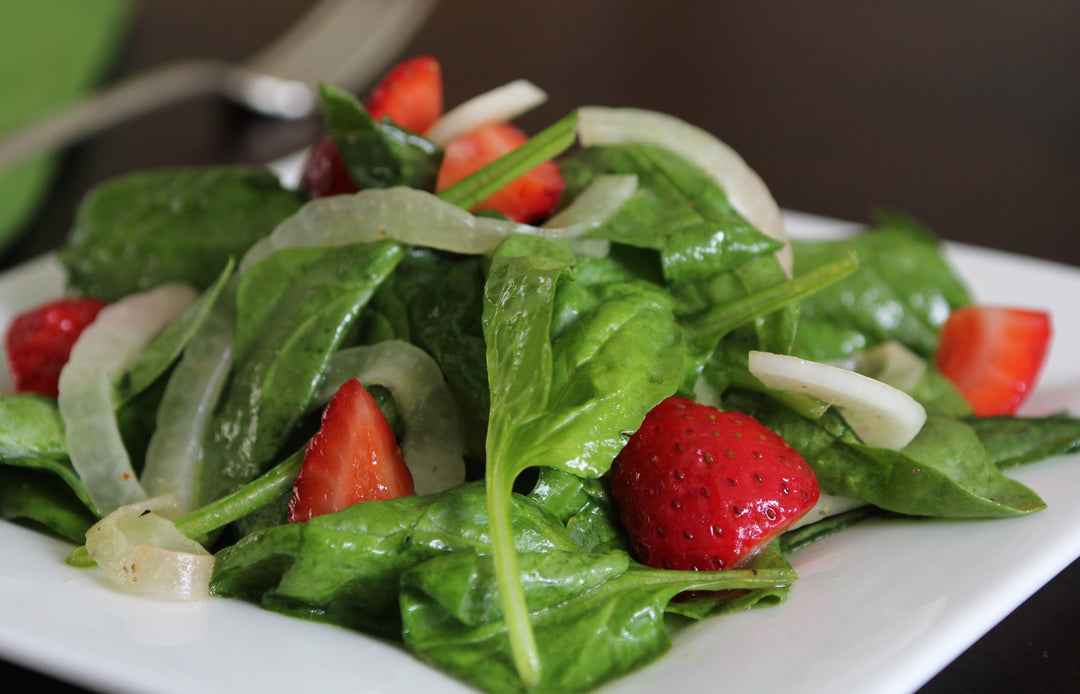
[722, 318]
[508, 577]
[217, 514]
[483, 183]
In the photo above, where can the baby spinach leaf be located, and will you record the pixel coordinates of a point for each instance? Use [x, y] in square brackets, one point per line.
[711, 604]
[52, 469]
[27, 494]
[944, 472]
[378, 154]
[1017, 440]
[135, 232]
[677, 211]
[597, 616]
[754, 307]
[936, 392]
[167, 347]
[562, 402]
[435, 301]
[32, 427]
[294, 309]
[344, 567]
[904, 290]
[584, 506]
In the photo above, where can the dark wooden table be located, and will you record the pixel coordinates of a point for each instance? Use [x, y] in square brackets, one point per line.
[966, 116]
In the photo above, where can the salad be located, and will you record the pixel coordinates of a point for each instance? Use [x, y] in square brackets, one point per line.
[512, 332]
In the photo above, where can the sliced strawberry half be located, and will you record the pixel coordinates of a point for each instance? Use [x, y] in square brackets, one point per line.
[529, 198]
[353, 457]
[38, 342]
[410, 95]
[994, 355]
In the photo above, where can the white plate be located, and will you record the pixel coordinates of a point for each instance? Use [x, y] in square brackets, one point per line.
[878, 609]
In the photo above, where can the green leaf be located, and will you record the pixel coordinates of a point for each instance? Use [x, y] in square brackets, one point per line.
[585, 508]
[944, 472]
[1011, 441]
[677, 211]
[563, 403]
[33, 495]
[32, 427]
[345, 567]
[181, 225]
[904, 290]
[167, 347]
[597, 616]
[294, 309]
[377, 154]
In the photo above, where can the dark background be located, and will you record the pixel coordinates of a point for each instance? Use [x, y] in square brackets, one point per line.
[965, 115]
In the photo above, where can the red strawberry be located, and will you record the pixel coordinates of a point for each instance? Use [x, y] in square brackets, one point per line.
[353, 457]
[701, 489]
[39, 342]
[993, 355]
[325, 172]
[528, 199]
[410, 95]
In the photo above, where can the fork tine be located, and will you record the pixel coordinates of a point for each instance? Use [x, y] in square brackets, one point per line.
[347, 43]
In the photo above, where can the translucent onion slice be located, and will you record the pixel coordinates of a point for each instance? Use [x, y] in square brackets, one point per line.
[142, 552]
[892, 363]
[502, 104]
[827, 505]
[119, 333]
[881, 415]
[746, 191]
[433, 444]
[593, 207]
[420, 219]
[175, 454]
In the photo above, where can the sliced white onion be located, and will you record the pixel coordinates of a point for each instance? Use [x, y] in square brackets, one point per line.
[593, 207]
[417, 218]
[892, 363]
[746, 191]
[142, 552]
[120, 331]
[502, 104]
[827, 505]
[881, 415]
[174, 456]
[433, 444]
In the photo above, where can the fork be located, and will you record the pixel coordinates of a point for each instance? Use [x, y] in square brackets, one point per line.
[346, 43]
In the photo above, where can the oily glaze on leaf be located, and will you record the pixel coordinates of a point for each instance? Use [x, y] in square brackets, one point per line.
[295, 308]
[141, 230]
[677, 211]
[904, 291]
[945, 472]
[377, 154]
[611, 609]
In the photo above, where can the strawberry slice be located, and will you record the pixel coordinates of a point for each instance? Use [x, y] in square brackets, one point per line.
[38, 342]
[994, 355]
[353, 457]
[527, 199]
[410, 95]
[702, 489]
[325, 173]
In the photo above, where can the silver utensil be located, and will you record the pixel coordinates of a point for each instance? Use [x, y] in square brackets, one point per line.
[347, 43]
